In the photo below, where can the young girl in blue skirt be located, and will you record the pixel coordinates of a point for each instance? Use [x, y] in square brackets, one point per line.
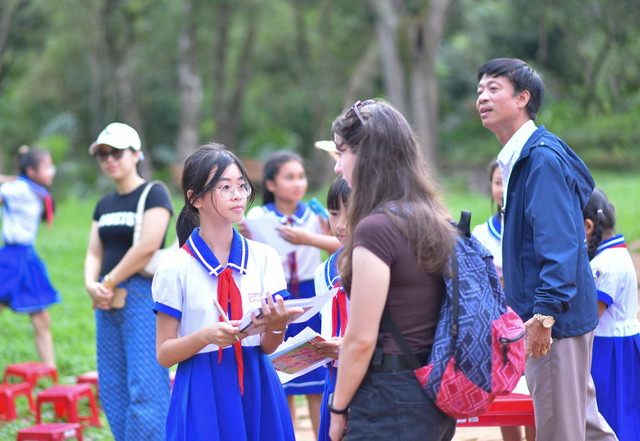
[225, 386]
[24, 281]
[284, 186]
[334, 313]
[615, 366]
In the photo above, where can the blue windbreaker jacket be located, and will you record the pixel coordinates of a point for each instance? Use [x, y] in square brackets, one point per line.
[544, 249]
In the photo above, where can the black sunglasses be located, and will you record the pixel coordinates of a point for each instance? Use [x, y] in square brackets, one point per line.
[355, 109]
[103, 155]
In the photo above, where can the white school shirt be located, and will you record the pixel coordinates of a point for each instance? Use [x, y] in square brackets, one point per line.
[21, 213]
[307, 257]
[183, 289]
[489, 234]
[617, 285]
[510, 154]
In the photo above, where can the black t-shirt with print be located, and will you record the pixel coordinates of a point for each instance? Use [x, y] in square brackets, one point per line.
[116, 216]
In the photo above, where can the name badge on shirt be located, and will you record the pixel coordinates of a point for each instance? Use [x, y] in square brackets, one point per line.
[255, 297]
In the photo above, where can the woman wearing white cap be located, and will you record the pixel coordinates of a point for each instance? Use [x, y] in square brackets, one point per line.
[134, 388]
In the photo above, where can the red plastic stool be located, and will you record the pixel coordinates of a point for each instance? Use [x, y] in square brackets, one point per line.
[90, 378]
[30, 372]
[51, 432]
[68, 396]
[8, 394]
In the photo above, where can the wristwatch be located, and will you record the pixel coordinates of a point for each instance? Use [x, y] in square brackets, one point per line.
[333, 409]
[546, 320]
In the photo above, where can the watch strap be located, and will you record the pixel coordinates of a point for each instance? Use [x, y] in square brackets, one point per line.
[333, 409]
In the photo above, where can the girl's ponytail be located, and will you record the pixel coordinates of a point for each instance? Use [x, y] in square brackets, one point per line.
[602, 213]
[187, 221]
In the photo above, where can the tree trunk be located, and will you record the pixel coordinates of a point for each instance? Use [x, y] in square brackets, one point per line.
[387, 22]
[220, 99]
[120, 43]
[425, 36]
[229, 107]
[190, 88]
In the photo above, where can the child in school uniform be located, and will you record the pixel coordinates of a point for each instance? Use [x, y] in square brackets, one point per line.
[335, 313]
[284, 186]
[225, 386]
[615, 366]
[24, 280]
[490, 233]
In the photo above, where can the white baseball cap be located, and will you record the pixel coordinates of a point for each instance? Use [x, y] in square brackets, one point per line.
[119, 136]
[327, 146]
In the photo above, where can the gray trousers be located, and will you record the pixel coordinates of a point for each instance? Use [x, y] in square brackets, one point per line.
[564, 397]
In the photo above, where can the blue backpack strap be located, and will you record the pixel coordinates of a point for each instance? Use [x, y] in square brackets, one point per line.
[464, 228]
[464, 225]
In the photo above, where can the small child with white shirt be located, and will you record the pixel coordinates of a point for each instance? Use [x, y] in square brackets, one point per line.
[615, 366]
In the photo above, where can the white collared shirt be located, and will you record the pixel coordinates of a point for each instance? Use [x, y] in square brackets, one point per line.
[511, 152]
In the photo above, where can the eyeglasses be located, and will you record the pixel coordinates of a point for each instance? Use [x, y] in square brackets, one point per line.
[355, 109]
[103, 155]
[227, 191]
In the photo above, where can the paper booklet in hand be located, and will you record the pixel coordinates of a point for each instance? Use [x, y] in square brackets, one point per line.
[311, 306]
[299, 354]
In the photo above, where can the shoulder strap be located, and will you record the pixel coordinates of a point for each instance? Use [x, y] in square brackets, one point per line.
[464, 226]
[137, 230]
[142, 200]
[388, 324]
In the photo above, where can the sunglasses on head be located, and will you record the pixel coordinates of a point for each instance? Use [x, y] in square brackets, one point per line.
[355, 109]
[103, 155]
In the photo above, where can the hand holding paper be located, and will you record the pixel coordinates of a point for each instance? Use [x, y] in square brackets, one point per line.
[274, 315]
[300, 310]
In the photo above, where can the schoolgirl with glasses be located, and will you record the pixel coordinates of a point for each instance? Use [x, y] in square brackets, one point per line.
[134, 387]
[225, 388]
[24, 280]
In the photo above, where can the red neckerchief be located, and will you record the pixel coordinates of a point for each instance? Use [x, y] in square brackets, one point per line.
[230, 299]
[339, 311]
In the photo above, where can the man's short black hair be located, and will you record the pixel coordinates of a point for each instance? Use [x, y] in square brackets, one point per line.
[521, 76]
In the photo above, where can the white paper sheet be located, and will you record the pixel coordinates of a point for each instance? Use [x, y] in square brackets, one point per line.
[263, 229]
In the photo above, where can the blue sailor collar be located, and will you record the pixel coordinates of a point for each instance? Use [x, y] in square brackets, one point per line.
[299, 217]
[616, 241]
[331, 273]
[495, 226]
[238, 255]
[37, 188]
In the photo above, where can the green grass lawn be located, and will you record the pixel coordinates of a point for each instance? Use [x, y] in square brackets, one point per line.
[63, 249]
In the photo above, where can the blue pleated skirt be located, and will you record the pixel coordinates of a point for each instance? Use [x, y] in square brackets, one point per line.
[616, 373]
[206, 404]
[24, 280]
[311, 382]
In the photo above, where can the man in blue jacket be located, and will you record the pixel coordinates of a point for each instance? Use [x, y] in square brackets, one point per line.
[547, 278]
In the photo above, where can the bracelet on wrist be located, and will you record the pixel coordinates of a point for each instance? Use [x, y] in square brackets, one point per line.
[106, 281]
[278, 332]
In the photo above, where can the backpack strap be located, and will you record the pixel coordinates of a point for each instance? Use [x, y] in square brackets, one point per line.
[464, 225]
[464, 229]
[388, 324]
[455, 301]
